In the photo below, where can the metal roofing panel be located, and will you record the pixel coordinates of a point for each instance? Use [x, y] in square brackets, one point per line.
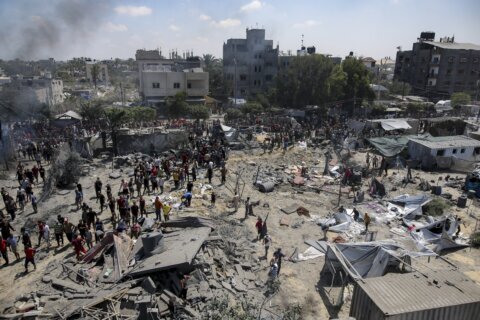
[412, 292]
[446, 142]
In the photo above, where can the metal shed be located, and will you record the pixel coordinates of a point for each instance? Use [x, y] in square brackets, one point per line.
[438, 295]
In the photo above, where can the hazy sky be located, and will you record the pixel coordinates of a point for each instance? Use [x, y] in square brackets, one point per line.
[37, 29]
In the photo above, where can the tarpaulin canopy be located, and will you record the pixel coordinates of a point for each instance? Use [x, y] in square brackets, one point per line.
[389, 147]
[394, 124]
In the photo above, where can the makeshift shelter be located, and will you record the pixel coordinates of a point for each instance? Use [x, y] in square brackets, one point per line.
[229, 132]
[412, 205]
[438, 235]
[389, 146]
[443, 294]
[390, 124]
[377, 188]
[443, 106]
[362, 260]
[66, 119]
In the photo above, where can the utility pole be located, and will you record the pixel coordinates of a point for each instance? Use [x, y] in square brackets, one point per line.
[123, 96]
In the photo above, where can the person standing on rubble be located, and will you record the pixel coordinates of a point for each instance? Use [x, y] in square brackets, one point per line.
[98, 187]
[142, 204]
[209, 174]
[3, 249]
[267, 241]
[259, 226]
[58, 230]
[158, 208]
[101, 199]
[223, 172]
[30, 257]
[166, 211]
[278, 255]
[134, 209]
[366, 220]
[374, 162]
[247, 207]
[78, 246]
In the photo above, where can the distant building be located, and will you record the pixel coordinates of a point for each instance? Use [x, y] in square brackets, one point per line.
[37, 90]
[160, 78]
[439, 68]
[369, 63]
[102, 74]
[249, 65]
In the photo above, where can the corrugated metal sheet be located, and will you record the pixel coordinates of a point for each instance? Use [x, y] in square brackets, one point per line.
[443, 295]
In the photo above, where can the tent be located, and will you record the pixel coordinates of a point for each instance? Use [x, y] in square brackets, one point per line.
[377, 188]
[69, 115]
[229, 132]
[438, 235]
[389, 147]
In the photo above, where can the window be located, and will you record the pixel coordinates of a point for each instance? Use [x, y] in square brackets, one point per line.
[189, 85]
[462, 150]
[440, 153]
[476, 151]
[176, 85]
[243, 77]
[259, 68]
[243, 91]
[255, 82]
[155, 85]
[449, 71]
[454, 151]
[255, 69]
[475, 60]
[450, 59]
[463, 60]
[268, 77]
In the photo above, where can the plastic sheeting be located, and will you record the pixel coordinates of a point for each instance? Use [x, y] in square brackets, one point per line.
[369, 259]
[394, 124]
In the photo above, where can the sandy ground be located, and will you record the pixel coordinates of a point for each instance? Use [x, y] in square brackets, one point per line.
[299, 281]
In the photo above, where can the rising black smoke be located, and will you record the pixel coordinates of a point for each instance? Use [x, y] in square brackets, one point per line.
[56, 25]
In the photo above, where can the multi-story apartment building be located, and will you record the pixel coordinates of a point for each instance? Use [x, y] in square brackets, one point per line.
[439, 68]
[37, 90]
[249, 65]
[160, 78]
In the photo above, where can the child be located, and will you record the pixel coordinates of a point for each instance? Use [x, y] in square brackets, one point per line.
[30, 258]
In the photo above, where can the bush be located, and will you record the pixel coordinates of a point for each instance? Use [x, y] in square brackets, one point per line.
[475, 239]
[233, 114]
[436, 207]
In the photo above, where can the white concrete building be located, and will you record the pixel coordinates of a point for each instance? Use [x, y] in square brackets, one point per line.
[160, 78]
[459, 152]
[41, 90]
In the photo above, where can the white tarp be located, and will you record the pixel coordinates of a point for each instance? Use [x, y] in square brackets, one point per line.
[394, 124]
[310, 253]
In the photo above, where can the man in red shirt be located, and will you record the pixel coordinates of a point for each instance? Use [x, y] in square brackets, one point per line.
[258, 226]
[3, 249]
[78, 246]
[30, 257]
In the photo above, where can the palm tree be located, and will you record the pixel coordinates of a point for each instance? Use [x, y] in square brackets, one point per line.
[209, 60]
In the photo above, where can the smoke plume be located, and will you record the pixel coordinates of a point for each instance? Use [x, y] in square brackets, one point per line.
[56, 25]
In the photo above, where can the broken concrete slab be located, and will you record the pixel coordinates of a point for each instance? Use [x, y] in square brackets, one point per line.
[115, 175]
[285, 221]
[68, 286]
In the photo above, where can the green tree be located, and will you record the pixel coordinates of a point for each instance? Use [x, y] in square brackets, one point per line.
[91, 111]
[398, 87]
[115, 117]
[141, 114]
[304, 82]
[358, 83]
[177, 105]
[460, 98]
[214, 67]
[199, 112]
[233, 114]
[251, 108]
